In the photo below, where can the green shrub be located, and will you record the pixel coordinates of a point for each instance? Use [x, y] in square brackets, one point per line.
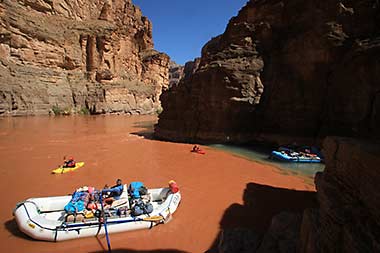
[159, 110]
[57, 110]
[67, 111]
[84, 111]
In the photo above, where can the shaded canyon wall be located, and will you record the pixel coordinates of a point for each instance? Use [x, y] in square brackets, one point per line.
[78, 55]
[342, 216]
[348, 218]
[286, 71]
[282, 71]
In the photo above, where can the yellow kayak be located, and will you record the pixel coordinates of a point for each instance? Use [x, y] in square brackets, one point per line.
[62, 170]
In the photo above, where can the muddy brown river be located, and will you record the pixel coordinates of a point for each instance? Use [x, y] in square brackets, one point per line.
[120, 147]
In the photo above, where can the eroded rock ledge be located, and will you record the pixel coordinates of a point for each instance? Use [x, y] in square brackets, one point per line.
[348, 219]
[78, 55]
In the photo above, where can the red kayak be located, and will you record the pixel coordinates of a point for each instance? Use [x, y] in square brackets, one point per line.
[202, 152]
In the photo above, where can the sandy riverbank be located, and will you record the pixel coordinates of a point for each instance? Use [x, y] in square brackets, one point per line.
[210, 184]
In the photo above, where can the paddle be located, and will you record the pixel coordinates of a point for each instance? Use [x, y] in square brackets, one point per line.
[63, 166]
[154, 218]
[105, 222]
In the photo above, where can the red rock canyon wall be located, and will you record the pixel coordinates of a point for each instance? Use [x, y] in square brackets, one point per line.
[283, 71]
[72, 55]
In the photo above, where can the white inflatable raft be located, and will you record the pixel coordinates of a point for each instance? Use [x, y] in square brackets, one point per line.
[44, 218]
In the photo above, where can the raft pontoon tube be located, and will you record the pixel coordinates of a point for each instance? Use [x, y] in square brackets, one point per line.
[44, 218]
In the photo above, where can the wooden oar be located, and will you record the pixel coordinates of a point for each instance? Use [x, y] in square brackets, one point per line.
[154, 218]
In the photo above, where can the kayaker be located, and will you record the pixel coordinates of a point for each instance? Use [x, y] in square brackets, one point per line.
[196, 148]
[69, 163]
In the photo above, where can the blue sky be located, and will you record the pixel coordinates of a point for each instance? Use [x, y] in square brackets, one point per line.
[182, 27]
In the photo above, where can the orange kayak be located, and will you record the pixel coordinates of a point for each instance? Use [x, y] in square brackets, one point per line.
[202, 152]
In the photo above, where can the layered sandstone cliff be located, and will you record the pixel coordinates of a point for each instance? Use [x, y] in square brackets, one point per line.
[78, 55]
[290, 69]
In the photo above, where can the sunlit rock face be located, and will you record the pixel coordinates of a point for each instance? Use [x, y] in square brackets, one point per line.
[175, 73]
[217, 91]
[282, 71]
[94, 55]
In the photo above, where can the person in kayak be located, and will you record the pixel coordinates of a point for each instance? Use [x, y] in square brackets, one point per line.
[69, 163]
[196, 149]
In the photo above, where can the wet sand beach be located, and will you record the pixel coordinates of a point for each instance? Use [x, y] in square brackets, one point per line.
[114, 147]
